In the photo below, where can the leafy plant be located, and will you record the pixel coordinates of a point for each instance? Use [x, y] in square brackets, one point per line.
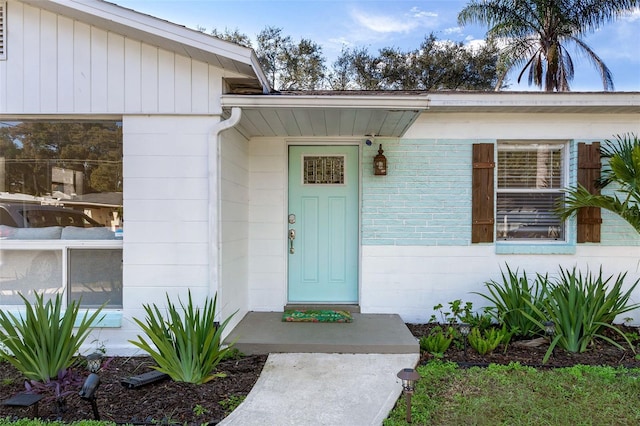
[461, 312]
[41, 343]
[582, 306]
[486, 341]
[187, 347]
[199, 410]
[232, 402]
[437, 341]
[514, 297]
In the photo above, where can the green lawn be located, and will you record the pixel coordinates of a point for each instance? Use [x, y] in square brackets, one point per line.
[518, 395]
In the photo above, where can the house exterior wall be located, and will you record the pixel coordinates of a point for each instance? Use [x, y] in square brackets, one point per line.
[416, 249]
[233, 290]
[59, 65]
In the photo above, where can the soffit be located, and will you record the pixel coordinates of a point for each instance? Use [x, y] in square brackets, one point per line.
[390, 114]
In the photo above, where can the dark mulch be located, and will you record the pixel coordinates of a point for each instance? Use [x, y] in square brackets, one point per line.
[180, 403]
[159, 403]
[601, 353]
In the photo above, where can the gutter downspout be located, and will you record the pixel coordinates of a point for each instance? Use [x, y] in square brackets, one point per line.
[214, 175]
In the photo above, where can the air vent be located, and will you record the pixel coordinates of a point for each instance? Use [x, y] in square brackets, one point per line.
[3, 21]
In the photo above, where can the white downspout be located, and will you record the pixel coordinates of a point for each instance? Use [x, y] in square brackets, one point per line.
[215, 226]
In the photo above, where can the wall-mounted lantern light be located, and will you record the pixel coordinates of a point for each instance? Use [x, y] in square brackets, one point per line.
[380, 163]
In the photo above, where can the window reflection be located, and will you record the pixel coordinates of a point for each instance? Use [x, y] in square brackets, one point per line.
[66, 174]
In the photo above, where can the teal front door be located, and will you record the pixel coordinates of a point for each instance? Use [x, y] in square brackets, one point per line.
[323, 224]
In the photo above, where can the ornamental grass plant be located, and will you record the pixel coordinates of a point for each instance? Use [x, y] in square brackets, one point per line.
[187, 345]
[516, 300]
[41, 342]
[582, 307]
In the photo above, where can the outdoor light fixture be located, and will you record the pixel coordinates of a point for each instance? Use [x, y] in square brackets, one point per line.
[88, 393]
[380, 163]
[94, 362]
[550, 328]
[465, 329]
[409, 376]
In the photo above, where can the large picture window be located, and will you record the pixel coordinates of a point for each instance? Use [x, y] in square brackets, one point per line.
[531, 176]
[61, 212]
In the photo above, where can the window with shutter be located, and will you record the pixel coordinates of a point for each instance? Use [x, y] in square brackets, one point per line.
[531, 176]
[3, 46]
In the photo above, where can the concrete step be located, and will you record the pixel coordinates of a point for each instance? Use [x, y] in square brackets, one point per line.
[265, 332]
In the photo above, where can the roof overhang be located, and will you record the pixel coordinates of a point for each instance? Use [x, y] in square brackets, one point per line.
[390, 114]
[326, 115]
[160, 33]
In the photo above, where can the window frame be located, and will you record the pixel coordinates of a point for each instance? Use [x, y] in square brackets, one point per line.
[566, 157]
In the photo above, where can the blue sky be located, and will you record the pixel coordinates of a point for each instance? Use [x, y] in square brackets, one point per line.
[396, 23]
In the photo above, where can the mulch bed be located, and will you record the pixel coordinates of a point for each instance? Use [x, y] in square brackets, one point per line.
[169, 402]
[601, 353]
[164, 402]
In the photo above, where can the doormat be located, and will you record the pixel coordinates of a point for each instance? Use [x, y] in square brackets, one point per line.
[317, 316]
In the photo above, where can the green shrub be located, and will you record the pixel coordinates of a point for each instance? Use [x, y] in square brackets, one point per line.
[437, 341]
[486, 341]
[461, 312]
[582, 307]
[514, 301]
[41, 343]
[187, 347]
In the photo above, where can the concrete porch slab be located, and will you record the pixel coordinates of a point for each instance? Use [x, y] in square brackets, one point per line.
[265, 332]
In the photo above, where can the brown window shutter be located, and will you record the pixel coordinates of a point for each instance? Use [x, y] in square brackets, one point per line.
[589, 166]
[482, 209]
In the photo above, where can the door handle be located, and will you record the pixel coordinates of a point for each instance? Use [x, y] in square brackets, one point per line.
[292, 236]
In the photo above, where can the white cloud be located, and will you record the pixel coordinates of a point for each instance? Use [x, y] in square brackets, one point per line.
[385, 23]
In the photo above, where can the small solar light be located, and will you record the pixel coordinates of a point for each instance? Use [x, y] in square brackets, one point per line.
[465, 329]
[94, 362]
[409, 377]
[550, 328]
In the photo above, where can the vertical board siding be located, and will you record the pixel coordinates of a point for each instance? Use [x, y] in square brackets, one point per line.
[60, 65]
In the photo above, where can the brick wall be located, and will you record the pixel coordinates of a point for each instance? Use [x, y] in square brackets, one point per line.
[425, 199]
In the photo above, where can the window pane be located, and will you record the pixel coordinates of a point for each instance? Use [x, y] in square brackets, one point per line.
[28, 272]
[95, 277]
[532, 166]
[61, 173]
[528, 216]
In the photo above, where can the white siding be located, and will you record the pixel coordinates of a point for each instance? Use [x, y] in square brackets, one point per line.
[166, 247]
[267, 224]
[234, 229]
[59, 65]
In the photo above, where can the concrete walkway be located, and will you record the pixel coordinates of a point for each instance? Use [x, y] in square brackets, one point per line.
[305, 389]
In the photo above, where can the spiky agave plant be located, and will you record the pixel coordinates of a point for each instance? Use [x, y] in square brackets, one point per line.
[187, 345]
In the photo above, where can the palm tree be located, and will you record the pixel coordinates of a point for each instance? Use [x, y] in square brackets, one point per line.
[623, 170]
[538, 32]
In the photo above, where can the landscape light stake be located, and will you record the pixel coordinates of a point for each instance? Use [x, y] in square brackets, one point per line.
[465, 329]
[94, 362]
[550, 330]
[409, 376]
